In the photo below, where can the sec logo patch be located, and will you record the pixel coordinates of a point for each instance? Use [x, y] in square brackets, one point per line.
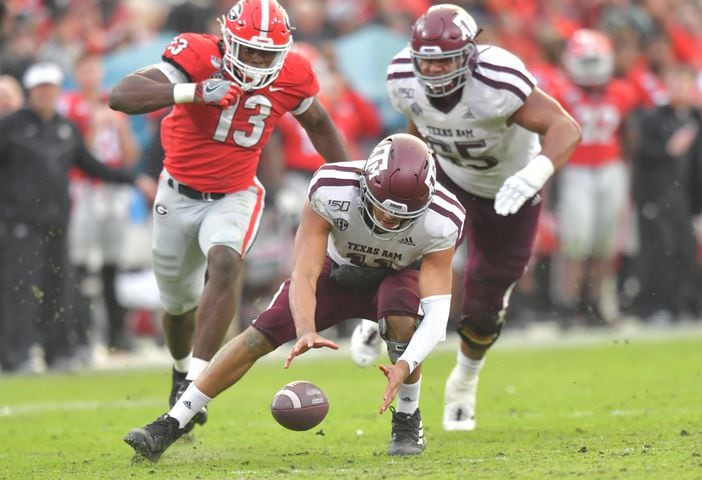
[341, 224]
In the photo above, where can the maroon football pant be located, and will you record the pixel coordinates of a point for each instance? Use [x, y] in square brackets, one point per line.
[499, 249]
[398, 294]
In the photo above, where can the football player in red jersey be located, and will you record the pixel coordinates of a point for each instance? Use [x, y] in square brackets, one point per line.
[228, 93]
[594, 185]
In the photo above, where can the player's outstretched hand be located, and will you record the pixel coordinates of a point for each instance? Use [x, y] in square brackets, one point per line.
[512, 195]
[306, 342]
[523, 185]
[221, 93]
[396, 375]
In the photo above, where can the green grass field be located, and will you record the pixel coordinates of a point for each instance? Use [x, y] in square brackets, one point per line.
[616, 409]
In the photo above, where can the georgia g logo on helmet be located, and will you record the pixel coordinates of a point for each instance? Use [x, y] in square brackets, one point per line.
[235, 12]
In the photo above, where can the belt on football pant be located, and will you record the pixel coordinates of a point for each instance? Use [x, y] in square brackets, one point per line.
[192, 193]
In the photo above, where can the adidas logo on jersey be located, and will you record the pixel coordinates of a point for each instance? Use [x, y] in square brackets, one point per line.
[407, 241]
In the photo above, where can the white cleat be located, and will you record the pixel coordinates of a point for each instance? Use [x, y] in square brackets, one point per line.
[365, 343]
[459, 403]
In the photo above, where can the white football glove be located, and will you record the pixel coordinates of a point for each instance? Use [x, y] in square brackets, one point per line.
[523, 185]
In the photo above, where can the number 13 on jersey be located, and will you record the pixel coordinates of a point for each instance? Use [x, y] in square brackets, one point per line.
[260, 108]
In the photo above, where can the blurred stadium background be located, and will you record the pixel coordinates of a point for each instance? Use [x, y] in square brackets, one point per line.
[609, 390]
[350, 44]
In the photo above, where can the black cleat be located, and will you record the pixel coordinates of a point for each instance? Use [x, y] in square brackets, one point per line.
[407, 434]
[178, 379]
[200, 417]
[153, 439]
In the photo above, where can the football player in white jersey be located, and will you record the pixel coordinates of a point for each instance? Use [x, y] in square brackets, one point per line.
[479, 109]
[376, 240]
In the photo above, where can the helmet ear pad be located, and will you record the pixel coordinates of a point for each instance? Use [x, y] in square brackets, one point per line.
[398, 179]
[247, 25]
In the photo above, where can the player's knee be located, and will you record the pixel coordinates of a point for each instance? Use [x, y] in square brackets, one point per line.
[254, 344]
[397, 331]
[187, 316]
[223, 264]
[178, 300]
[480, 333]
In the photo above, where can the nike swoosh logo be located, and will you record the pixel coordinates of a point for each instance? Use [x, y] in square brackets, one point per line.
[209, 89]
[276, 89]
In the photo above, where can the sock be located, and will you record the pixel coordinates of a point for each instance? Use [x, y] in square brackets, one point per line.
[197, 366]
[408, 397]
[467, 367]
[182, 365]
[188, 405]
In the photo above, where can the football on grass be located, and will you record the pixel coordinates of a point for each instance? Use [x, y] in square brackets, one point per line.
[299, 406]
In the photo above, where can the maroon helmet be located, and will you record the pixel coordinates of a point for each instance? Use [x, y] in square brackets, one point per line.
[444, 32]
[398, 179]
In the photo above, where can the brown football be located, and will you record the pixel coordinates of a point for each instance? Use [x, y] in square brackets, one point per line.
[299, 405]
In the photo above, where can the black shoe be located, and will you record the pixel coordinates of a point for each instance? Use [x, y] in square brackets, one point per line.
[200, 417]
[152, 440]
[178, 379]
[407, 434]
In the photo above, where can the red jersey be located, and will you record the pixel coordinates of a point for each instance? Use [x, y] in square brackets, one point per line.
[549, 77]
[77, 109]
[215, 149]
[104, 138]
[600, 115]
[300, 154]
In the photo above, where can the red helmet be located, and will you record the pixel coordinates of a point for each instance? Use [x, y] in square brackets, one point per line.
[399, 179]
[258, 24]
[588, 58]
[444, 32]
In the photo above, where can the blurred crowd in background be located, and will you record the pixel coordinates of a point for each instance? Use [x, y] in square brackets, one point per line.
[644, 117]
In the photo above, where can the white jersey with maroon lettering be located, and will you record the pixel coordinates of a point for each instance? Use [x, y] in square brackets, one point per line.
[334, 194]
[474, 144]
